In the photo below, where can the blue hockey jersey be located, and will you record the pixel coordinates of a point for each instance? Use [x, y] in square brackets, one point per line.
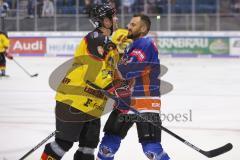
[141, 65]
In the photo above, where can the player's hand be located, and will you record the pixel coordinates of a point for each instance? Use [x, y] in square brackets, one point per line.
[119, 37]
[9, 56]
[119, 88]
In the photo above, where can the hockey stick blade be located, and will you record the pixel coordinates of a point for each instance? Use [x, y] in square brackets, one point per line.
[218, 151]
[34, 75]
[30, 75]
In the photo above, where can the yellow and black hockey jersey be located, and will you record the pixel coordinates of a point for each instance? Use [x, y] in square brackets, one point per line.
[4, 42]
[94, 60]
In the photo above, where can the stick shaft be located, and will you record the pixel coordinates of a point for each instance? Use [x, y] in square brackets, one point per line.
[38, 145]
[22, 68]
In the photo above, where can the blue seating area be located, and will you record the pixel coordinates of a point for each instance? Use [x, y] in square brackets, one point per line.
[157, 6]
[206, 6]
[185, 6]
[177, 6]
[69, 7]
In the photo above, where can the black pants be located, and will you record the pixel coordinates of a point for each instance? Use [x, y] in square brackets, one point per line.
[148, 127]
[2, 60]
[73, 125]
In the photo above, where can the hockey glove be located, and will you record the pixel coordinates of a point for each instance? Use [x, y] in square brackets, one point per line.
[120, 89]
[9, 55]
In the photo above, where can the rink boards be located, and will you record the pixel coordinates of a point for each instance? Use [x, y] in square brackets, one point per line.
[176, 44]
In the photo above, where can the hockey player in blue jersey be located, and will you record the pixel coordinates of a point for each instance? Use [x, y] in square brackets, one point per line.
[139, 65]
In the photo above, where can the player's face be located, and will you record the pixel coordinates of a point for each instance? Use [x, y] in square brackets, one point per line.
[135, 28]
[107, 22]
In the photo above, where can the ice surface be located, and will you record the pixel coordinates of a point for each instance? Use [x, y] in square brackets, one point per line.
[209, 88]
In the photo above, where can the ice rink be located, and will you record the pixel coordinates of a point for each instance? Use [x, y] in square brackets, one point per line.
[206, 94]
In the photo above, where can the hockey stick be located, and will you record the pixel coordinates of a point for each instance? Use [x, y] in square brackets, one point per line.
[209, 154]
[39, 145]
[31, 75]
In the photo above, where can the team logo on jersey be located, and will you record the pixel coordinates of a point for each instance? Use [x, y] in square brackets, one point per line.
[94, 92]
[106, 151]
[139, 54]
[66, 80]
[95, 34]
[157, 105]
[151, 155]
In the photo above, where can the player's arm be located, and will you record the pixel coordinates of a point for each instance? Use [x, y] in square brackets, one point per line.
[136, 63]
[6, 44]
[100, 60]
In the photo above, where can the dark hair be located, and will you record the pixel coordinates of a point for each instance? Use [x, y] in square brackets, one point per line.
[145, 19]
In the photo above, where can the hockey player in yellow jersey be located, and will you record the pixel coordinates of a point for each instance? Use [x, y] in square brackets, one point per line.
[78, 106]
[94, 61]
[4, 44]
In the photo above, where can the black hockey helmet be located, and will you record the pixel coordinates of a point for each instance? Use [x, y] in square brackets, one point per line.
[4, 33]
[99, 12]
